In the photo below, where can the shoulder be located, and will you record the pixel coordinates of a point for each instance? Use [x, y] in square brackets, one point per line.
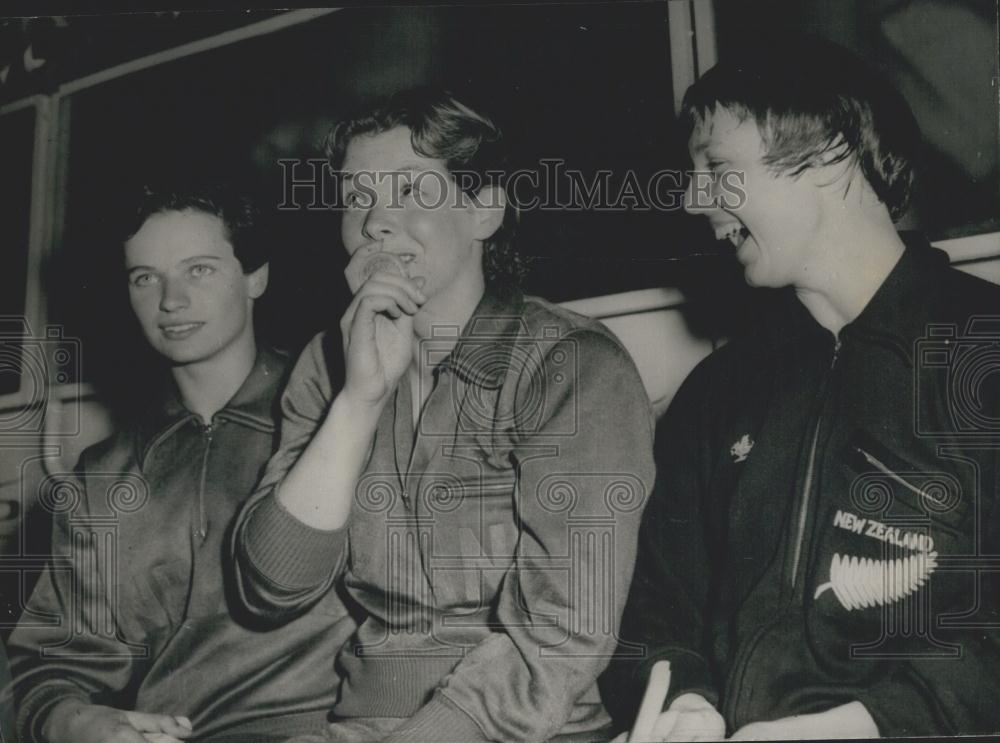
[315, 373]
[554, 325]
[969, 295]
[116, 453]
[540, 315]
[314, 360]
[574, 347]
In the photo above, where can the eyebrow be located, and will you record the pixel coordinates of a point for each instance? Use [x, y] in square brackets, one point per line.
[193, 259]
[347, 176]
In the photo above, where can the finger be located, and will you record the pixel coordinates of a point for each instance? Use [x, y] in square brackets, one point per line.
[621, 738]
[363, 325]
[125, 733]
[664, 724]
[347, 321]
[408, 285]
[701, 725]
[403, 290]
[365, 310]
[161, 738]
[149, 722]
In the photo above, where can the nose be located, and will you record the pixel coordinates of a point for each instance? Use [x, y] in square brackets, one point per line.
[173, 296]
[379, 221]
[700, 196]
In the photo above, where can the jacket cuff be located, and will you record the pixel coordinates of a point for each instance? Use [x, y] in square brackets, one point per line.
[439, 720]
[689, 674]
[287, 552]
[34, 708]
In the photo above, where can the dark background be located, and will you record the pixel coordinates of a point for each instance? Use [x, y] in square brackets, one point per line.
[588, 83]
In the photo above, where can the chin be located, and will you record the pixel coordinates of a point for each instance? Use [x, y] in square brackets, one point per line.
[759, 279]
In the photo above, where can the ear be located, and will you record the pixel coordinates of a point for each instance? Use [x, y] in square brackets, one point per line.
[834, 155]
[488, 208]
[831, 166]
[257, 281]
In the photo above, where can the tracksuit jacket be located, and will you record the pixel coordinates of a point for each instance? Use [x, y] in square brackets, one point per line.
[136, 607]
[824, 526]
[489, 546]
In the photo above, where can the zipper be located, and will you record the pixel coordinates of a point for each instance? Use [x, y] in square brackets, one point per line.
[807, 486]
[202, 531]
[741, 662]
[881, 467]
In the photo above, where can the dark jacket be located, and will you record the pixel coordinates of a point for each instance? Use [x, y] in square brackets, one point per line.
[821, 511]
[135, 609]
[491, 548]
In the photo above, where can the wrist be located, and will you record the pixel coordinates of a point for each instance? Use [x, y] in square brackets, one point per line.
[362, 414]
[56, 722]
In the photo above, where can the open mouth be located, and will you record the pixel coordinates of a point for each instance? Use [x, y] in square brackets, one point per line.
[734, 232]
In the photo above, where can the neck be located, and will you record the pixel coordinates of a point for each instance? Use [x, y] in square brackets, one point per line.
[206, 387]
[860, 251]
[443, 317]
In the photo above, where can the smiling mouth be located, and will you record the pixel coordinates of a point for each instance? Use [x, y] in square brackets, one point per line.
[734, 232]
[180, 330]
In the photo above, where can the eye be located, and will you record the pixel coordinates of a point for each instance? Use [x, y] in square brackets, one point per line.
[200, 270]
[142, 279]
[360, 198]
[406, 188]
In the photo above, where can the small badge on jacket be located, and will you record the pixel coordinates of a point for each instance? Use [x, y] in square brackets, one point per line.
[741, 449]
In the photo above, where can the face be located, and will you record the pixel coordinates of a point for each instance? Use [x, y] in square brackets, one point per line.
[188, 290]
[409, 205]
[775, 225]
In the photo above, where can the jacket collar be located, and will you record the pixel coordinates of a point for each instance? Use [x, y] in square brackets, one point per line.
[901, 308]
[482, 354]
[897, 312]
[252, 405]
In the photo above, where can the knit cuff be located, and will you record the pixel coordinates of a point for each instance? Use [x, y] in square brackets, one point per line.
[441, 721]
[287, 552]
[34, 709]
[689, 674]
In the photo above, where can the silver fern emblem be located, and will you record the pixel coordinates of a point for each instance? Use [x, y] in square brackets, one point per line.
[859, 583]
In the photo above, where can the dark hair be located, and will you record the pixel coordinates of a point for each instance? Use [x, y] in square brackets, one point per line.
[810, 99]
[472, 148]
[236, 211]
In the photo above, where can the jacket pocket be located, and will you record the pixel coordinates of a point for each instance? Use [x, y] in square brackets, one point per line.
[931, 489]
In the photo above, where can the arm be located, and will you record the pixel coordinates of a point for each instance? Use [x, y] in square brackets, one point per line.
[552, 636]
[74, 656]
[269, 541]
[289, 539]
[665, 617]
